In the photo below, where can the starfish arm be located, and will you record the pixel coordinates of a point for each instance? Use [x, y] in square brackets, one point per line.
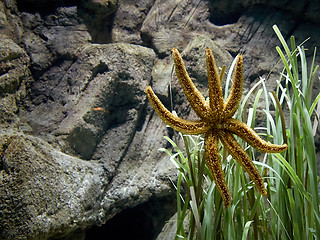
[243, 159]
[247, 134]
[194, 96]
[233, 100]
[214, 83]
[214, 164]
[179, 124]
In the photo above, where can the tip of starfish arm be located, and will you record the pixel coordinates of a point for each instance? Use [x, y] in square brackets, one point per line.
[274, 148]
[285, 146]
[174, 51]
[148, 89]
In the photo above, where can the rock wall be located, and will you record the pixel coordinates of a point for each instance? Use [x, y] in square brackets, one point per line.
[78, 138]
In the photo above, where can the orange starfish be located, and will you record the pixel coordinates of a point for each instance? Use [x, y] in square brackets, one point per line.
[216, 122]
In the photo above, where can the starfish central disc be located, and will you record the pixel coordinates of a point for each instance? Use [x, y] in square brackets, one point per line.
[216, 122]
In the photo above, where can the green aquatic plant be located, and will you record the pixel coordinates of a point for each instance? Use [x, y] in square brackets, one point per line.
[291, 208]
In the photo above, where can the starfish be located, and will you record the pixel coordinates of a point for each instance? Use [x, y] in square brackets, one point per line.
[216, 122]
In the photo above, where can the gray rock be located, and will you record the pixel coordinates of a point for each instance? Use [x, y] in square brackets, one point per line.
[66, 40]
[111, 77]
[128, 19]
[169, 230]
[10, 22]
[14, 76]
[100, 7]
[44, 191]
[168, 24]
[98, 17]
[13, 66]
[226, 12]
[41, 57]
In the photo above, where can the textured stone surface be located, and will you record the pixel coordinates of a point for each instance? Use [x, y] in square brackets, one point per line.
[78, 139]
[225, 12]
[44, 191]
[14, 66]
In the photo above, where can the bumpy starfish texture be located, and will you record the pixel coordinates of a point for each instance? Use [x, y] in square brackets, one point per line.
[216, 122]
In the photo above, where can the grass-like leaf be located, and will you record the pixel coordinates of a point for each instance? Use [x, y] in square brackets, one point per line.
[291, 208]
